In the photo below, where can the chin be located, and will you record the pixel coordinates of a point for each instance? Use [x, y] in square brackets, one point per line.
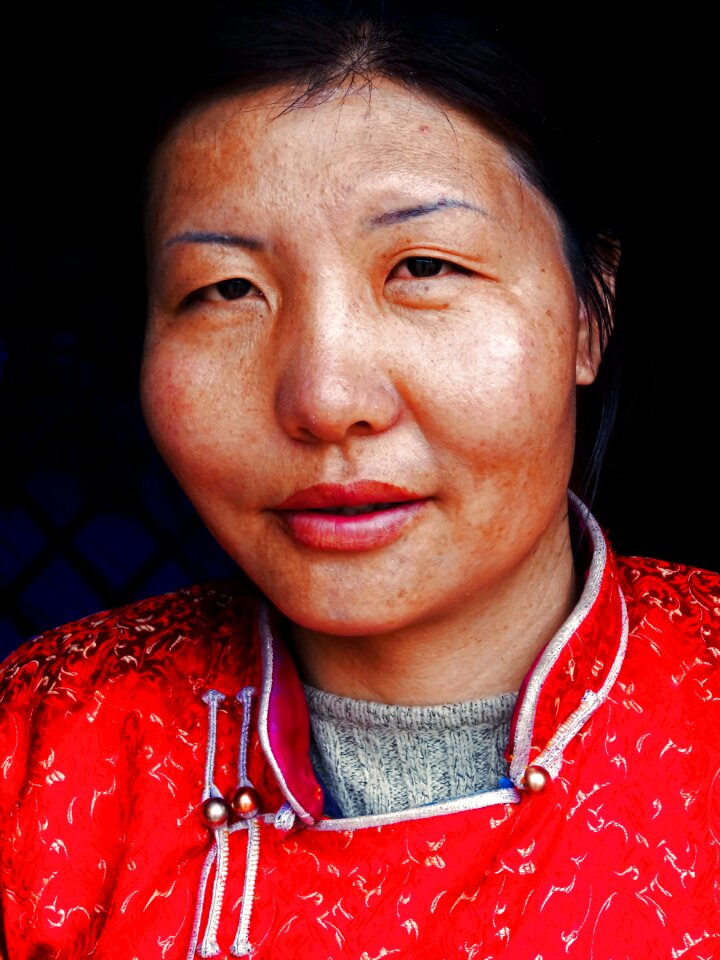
[350, 617]
[342, 621]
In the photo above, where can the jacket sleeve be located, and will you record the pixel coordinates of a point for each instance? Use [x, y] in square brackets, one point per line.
[19, 676]
[61, 794]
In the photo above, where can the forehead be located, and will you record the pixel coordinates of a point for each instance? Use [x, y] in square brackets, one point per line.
[353, 147]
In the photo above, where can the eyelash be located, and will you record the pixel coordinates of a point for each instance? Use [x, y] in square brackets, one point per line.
[242, 287]
[203, 294]
[455, 268]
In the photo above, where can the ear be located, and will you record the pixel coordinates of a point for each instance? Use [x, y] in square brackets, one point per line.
[589, 354]
[597, 312]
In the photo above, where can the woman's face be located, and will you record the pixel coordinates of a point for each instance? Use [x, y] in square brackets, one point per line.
[362, 352]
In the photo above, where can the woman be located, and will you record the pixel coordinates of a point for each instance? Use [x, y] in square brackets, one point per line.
[373, 294]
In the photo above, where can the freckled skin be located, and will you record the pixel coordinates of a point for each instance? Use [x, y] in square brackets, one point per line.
[341, 366]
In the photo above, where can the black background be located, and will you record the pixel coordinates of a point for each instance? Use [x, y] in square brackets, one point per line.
[91, 517]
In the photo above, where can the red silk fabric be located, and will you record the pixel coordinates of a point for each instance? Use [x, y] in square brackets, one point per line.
[102, 745]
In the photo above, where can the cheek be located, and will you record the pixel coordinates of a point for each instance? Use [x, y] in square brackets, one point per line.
[194, 413]
[512, 396]
[174, 389]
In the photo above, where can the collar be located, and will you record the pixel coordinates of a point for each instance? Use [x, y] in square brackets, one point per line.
[570, 679]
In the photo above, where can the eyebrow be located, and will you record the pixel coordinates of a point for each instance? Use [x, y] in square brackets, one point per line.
[383, 220]
[220, 239]
[410, 213]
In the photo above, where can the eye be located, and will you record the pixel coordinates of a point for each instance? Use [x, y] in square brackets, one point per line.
[233, 289]
[421, 268]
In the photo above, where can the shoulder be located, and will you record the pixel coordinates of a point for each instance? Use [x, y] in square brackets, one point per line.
[76, 699]
[184, 631]
[672, 664]
[681, 601]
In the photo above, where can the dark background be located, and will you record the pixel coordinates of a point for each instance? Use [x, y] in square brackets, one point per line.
[90, 517]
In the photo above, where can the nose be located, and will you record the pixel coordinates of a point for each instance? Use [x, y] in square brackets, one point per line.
[333, 384]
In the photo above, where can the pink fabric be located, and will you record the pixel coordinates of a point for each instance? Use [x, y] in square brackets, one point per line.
[288, 728]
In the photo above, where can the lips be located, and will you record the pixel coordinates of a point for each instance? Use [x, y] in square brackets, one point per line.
[364, 515]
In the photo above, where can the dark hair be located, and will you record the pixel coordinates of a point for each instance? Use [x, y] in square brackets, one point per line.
[319, 46]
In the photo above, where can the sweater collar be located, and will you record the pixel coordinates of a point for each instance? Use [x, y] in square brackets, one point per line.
[569, 680]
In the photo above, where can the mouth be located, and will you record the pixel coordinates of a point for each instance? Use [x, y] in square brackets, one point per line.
[357, 511]
[359, 516]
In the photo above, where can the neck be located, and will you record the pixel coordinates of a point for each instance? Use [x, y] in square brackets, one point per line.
[499, 632]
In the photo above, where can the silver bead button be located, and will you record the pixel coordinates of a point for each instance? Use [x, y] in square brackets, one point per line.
[215, 811]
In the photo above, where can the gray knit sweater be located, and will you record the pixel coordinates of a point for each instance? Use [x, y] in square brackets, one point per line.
[379, 758]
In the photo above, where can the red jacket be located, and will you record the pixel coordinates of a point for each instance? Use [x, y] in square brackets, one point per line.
[107, 754]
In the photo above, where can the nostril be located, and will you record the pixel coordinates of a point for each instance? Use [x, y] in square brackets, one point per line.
[361, 428]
